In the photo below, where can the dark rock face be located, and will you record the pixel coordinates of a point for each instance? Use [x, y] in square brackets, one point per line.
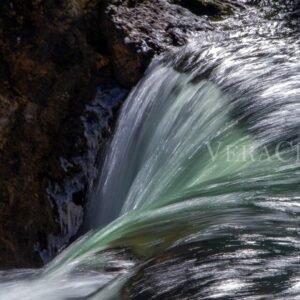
[48, 62]
[53, 54]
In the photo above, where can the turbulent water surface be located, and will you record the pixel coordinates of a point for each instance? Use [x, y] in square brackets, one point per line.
[199, 196]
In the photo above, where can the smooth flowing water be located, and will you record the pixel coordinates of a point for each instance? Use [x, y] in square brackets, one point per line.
[199, 196]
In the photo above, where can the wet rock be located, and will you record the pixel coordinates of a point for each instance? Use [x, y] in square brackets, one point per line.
[147, 28]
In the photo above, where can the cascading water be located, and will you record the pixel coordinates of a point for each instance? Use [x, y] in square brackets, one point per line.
[199, 194]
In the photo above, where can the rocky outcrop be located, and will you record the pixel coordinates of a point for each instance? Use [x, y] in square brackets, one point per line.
[147, 28]
[53, 55]
[49, 62]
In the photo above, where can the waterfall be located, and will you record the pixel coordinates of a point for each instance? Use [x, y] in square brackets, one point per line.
[199, 193]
